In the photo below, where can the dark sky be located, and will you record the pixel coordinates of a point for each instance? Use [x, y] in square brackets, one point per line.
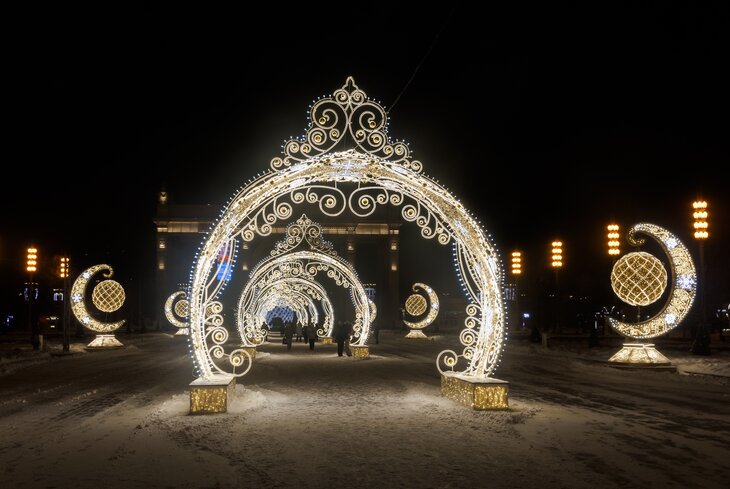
[572, 116]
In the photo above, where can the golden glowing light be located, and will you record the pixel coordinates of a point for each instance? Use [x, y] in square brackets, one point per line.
[516, 263]
[348, 142]
[700, 215]
[31, 260]
[63, 267]
[108, 296]
[613, 240]
[416, 305]
[557, 254]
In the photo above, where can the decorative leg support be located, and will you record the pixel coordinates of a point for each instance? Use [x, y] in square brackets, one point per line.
[327, 340]
[182, 332]
[104, 342]
[478, 393]
[639, 355]
[360, 352]
[209, 396]
[417, 333]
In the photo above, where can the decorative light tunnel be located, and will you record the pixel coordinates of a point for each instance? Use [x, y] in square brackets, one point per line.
[277, 293]
[309, 172]
[300, 268]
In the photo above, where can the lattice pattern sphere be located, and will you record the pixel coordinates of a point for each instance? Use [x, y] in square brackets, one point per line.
[639, 279]
[182, 308]
[416, 305]
[108, 296]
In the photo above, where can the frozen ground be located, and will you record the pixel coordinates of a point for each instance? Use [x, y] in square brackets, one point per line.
[311, 419]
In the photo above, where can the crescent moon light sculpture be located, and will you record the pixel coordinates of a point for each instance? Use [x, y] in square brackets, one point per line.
[174, 309]
[108, 296]
[416, 306]
[636, 281]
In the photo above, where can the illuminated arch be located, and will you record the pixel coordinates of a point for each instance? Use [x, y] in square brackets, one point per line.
[309, 172]
[249, 320]
[287, 264]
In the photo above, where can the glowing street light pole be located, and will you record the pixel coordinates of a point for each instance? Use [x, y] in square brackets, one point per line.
[614, 245]
[31, 266]
[557, 264]
[701, 345]
[63, 272]
[517, 271]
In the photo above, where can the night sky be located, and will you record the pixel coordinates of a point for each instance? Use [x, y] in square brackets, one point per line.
[576, 116]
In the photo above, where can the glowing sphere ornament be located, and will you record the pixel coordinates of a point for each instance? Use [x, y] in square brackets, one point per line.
[108, 296]
[640, 279]
[416, 305]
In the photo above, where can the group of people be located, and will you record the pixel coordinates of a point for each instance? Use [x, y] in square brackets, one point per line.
[307, 331]
[342, 332]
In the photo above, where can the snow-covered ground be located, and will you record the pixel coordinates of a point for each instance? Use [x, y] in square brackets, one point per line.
[311, 419]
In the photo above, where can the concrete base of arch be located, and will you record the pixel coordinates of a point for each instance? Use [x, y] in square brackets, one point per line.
[210, 396]
[360, 352]
[479, 393]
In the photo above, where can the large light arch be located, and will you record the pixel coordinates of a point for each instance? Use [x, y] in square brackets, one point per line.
[309, 172]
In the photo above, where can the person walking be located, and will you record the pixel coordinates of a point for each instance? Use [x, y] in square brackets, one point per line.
[311, 334]
[299, 332]
[342, 335]
[288, 334]
[348, 331]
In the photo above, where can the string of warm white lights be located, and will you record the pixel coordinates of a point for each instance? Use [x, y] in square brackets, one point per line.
[309, 173]
[682, 285]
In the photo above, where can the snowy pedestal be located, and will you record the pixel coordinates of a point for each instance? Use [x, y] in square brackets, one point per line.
[639, 355]
[475, 392]
[104, 342]
[327, 340]
[361, 352]
[182, 332]
[250, 349]
[208, 396]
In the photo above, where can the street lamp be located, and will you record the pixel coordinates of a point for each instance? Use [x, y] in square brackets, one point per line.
[701, 344]
[31, 266]
[517, 271]
[557, 264]
[613, 240]
[64, 272]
